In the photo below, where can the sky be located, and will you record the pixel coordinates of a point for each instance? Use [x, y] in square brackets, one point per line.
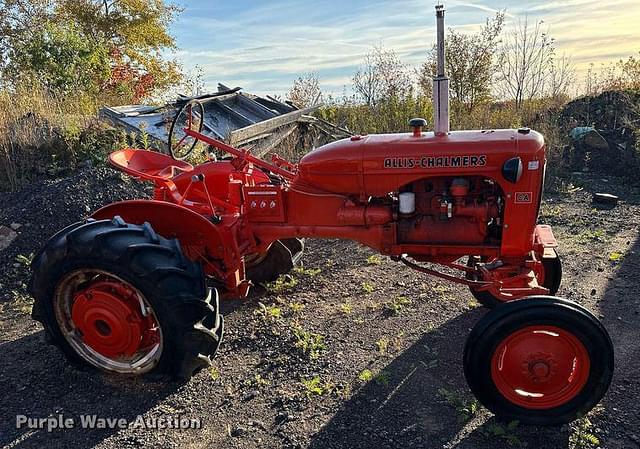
[264, 45]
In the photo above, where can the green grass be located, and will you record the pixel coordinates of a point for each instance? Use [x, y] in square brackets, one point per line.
[465, 408]
[346, 308]
[368, 288]
[284, 283]
[383, 345]
[308, 271]
[583, 437]
[365, 375]
[397, 304]
[506, 433]
[316, 387]
[310, 343]
[269, 313]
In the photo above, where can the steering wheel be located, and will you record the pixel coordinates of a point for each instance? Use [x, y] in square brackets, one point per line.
[191, 117]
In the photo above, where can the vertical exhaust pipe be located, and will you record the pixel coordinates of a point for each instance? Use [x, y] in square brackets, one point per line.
[440, 82]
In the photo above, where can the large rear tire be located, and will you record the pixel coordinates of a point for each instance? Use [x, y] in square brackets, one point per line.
[540, 360]
[122, 299]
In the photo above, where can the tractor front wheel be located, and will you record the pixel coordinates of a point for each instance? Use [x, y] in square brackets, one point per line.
[122, 299]
[540, 360]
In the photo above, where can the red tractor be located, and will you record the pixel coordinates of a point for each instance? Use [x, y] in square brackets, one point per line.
[134, 289]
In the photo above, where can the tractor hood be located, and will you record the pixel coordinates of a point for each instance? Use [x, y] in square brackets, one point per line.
[378, 164]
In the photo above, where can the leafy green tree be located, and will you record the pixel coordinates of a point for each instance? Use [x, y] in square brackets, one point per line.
[114, 48]
[135, 32]
[60, 59]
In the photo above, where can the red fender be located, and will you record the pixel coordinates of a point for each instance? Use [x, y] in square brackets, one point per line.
[213, 245]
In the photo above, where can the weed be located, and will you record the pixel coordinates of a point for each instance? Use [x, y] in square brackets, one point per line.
[269, 313]
[23, 303]
[368, 288]
[365, 375]
[374, 260]
[465, 408]
[442, 290]
[214, 373]
[551, 211]
[382, 378]
[296, 307]
[344, 391]
[346, 308]
[505, 433]
[589, 236]
[257, 381]
[315, 386]
[284, 283]
[582, 437]
[396, 341]
[398, 303]
[616, 256]
[310, 343]
[382, 345]
[24, 260]
[308, 271]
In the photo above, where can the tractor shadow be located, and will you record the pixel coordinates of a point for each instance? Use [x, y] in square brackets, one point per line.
[35, 381]
[419, 402]
[412, 411]
[620, 313]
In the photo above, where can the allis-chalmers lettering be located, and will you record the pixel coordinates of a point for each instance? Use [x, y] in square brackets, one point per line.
[436, 161]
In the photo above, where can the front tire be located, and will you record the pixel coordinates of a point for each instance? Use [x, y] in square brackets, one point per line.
[119, 298]
[540, 360]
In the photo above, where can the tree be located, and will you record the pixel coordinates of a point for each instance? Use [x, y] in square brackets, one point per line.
[306, 91]
[118, 44]
[60, 59]
[561, 77]
[624, 74]
[526, 58]
[470, 64]
[136, 33]
[381, 77]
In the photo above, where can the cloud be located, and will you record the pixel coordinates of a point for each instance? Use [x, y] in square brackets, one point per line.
[266, 46]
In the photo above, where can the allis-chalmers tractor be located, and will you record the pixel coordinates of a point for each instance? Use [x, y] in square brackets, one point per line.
[134, 289]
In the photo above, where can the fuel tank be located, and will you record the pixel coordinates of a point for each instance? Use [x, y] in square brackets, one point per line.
[378, 164]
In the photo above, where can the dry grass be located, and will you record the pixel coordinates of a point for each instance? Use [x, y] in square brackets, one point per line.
[41, 135]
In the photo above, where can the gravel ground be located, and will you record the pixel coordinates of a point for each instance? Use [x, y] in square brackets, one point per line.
[387, 374]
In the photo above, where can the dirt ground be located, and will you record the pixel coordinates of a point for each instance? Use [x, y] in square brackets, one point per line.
[382, 366]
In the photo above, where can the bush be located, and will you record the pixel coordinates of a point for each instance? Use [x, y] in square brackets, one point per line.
[41, 135]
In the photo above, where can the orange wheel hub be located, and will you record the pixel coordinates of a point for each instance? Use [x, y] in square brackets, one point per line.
[108, 315]
[540, 367]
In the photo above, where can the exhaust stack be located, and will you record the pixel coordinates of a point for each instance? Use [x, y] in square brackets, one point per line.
[441, 82]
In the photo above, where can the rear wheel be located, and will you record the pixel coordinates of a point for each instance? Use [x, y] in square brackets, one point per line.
[120, 298]
[549, 277]
[281, 257]
[540, 360]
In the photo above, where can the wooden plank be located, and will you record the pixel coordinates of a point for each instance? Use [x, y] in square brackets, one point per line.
[269, 144]
[243, 134]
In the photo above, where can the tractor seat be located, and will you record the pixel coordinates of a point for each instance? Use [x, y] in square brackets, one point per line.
[149, 165]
